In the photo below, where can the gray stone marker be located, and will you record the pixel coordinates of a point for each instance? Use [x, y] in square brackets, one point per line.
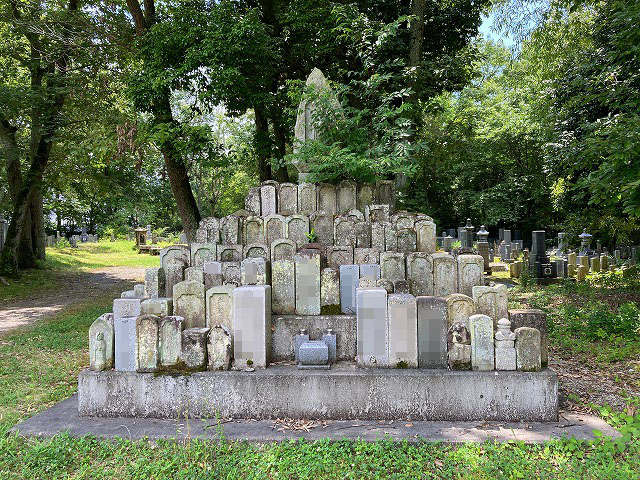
[445, 275]
[425, 236]
[386, 193]
[273, 228]
[252, 326]
[257, 250]
[327, 198]
[298, 340]
[288, 199]
[253, 230]
[255, 271]
[344, 231]
[219, 302]
[330, 339]
[322, 225]
[459, 347]
[212, 274]
[363, 234]
[179, 254]
[537, 319]
[268, 200]
[491, 301]
[372, 328]
[101, 343]
[403, 330]
[154, 282]
[432, 332]
[377, 235]
[528, 349]
[161, 307]
[376, 213]
[219, 349]
[283, 250]
[170, 340]
[339, 255]
[370, 272]
[505, 348]
[392, 266]
[231, 273]
[401, 286]
[482, 348]
[174, 274]
[307, 271]
[329, 292]
[313, 354]
[194, 348]
[459, 308]
[252, 201]
[390, 237]
[365, 196]
[366, 256]
[230, 232]
[349, 281]
[403, 220]
[420, 273]
[125, 312]
[406, 240]
[346, 196]
[297, 229]
[306, 198]
[147, 349]
[188, 302]
[229, 253]
[194, 274]
[386, 284]
[470, 273]
[283, 287]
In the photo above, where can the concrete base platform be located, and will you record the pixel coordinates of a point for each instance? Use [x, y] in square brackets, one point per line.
[344, 392]
[64, 417]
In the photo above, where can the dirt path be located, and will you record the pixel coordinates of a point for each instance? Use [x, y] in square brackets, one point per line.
[72, 289]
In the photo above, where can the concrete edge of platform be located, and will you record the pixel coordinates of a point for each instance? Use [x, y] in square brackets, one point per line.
[63, 417]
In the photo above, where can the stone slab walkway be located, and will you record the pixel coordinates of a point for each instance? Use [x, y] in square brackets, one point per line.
[63, 417]
[71, 289]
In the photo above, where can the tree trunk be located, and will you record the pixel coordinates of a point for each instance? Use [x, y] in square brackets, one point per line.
[282, 174]
[262, 145]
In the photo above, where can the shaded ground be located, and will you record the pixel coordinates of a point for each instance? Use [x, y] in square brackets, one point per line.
[71, 289]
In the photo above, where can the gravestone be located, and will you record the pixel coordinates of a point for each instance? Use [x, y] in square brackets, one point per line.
[160, 307]
[337, 256]
[330, 292]
[344, 231]
[322, 224]
[202, 253]
[444, 274]
[229, 253]
[470, 273]
[425, 236]
[386, 193]
[459, 347]
[392, 266]
[459, 308]
[255, 271]
[369, 271]
[170, 340]
[363, 234]
[365, 196]
[505, 346]
[125, 313]
[208, 231]
[252, 326]
[195, 274]
[390, 238]
[154, 282]
[219, 349]
[257, 250]
[288, 199]
[528, 349]
[230, 230]
[101, 343]
[326, 198]
[194, 348]
[366, 255]
[219, 302]
[371, 328]
[377, 235]
[147, 349]
[307, 198]
[307, 281]
[188, 302]
[231, 273]
[212, 274]
[297, 229]
[349, 281]
[482, 347]
[491, 301]
[346, 196]
[252, 201]
[403, 331]
[432, 332]
[420, 273]
[253, 230]
[406, 240]
[537, 319]
[273, 228]
[283, 250]
[268, 199]
[376, 213]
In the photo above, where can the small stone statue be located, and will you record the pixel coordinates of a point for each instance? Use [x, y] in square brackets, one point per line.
[99, 352]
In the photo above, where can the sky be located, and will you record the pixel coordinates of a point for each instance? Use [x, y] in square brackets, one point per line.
[485, 30]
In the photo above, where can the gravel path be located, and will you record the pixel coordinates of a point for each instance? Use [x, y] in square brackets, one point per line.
[71, 289]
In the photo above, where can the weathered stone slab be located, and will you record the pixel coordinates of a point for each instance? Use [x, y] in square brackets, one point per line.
[482, 349]
[392, 265]
[252, 201]
[459, 347]
[344, 231]
[219, 302]
[231, 273]
[355, 215]
[537, 319]
[425, 236]
[340, 255]
[212, 274]
[370, 271]
[179, 254]
[372, 328]
[459, 308]
[283, 250]
[307, 198]
[101, 343]
[160, 307]
[257, 250]
[313, 353]
[432, 332]
[349, 281]
[194, 274]
[288, 199]
[366, 255]
[174, 274]
[283, 287]
[125, 343]
[126, 307]
[188, 302]
[154, 282]
[504, 345]
[403, 331]
[420, 273]
[406, 240]
[307, 269]
[202, 253]
[365, 196]
[470, 273]
[491, 301]
[363, 234]
[445, 274]
[219, 349]
[403, 220]
[147, 333]
[255, 271]
[376, 213]
[230, 230]
[327, 198]
[390, 237]
[329, 292]
[253, 230]
[528, 349]
[252, 326]
[230, 253]
[386, 193]
[322, 225]
[297, 229]
[401, 286]
[273, 228]
[208, 231]
[377, 235]
[268, 199]
[346, 196]
[194, 348]
[170, 340]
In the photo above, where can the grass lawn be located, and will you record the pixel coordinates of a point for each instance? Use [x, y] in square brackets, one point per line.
[39, 366]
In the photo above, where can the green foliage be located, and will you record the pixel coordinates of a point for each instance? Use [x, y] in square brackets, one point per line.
[312, 235]
[595, 321]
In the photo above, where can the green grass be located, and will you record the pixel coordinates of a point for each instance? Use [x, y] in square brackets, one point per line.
[39, 367]
[62, 262]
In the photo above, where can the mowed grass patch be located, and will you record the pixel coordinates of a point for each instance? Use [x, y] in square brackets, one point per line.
[62, 263]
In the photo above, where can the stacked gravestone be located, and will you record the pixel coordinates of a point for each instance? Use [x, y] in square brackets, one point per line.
[371, 327]
[505, 349]
[432, 332]
[459, 347]
[403, 330]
